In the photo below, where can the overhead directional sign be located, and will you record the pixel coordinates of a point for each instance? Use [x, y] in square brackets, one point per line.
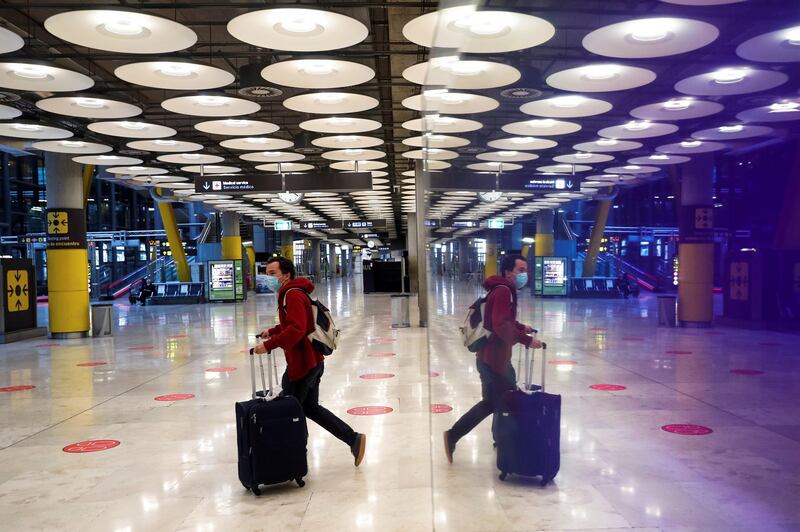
[364, 224]
[319, 182]
[505, 183]
[328, 224]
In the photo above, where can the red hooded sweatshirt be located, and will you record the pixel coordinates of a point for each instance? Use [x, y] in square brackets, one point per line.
[501, 320]
[295, 323]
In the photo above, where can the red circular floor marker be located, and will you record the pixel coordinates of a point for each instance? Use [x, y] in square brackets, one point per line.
[678, 352]
[747, 372]
[91, 364]
[370, 410]
[685, 429]
[370, 376]
[607, 387]
[633, 338]
[141, 348]
[562, 362]
[381, 355]
[437, 408]
[435, 374]
[175, 397]
[220, 370]
[90, 446]
[19, 388]
[47, 345]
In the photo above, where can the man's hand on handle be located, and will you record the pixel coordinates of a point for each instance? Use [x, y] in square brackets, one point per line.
[536, 344]
[259, 349]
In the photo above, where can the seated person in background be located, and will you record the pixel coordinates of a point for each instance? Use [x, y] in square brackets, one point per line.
[148, 289]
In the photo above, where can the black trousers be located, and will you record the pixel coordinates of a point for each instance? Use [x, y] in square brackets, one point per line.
[493, 386]
[306, 390]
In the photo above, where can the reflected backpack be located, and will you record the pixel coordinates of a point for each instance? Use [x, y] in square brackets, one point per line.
[325, 334]
[474, 334]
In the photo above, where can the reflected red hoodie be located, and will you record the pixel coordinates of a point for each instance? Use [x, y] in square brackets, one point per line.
[501, 320]
[296, 322]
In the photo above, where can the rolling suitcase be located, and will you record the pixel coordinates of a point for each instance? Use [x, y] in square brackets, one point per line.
[528, 428]
[271, 434]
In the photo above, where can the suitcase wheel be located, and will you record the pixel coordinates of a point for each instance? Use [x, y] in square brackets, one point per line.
[503, 475]
[255, 491]
[300, 482]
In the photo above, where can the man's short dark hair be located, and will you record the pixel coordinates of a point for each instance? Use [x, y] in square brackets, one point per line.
[508, 262]
[284, 264]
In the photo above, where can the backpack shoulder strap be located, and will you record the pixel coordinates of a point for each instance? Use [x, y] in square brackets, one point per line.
[294, 288]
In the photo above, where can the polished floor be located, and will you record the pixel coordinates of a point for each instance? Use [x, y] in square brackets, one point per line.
[737, 393]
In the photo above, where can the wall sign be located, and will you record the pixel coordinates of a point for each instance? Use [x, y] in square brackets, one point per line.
[66, 228]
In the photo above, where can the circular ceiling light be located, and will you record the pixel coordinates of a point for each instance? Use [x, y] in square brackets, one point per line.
[41, 78]
[120, 31]
[677, 109]
[190, 158]
[135, 170]
[690, 147]
[732, 132]
[340, 125]
[174, 75]
[340, 142]
[544, 127]
[442, 124]
[330, 103]
[780, 111]
[10, 41]
[650, 37]
[730, 81]
[459, 74]
[131, 129]
[297, 29]
[564, 168]
[256, 144]
[583, 158]
[285, 167]
[494, 166]
[638, 130]
[506, 156]
[71, 146]
[88, 107]
[107, 160]
[781, 46]
[353, 154]
[317, 73]
[272, 157]
[471, 31]
[571, 106]
[607, 145]
[210, 105]
[7, 112]
[165, 145]
[436, 141]
[659, 159]
[601, 78]
[236, 127]
[29, 130]
[632, 169]
[455, 103]
[431, 154]
[360, 166]
[211, 169]
[522, 143]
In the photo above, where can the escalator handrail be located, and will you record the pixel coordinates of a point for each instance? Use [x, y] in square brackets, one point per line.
[134, 273]
[167, 263]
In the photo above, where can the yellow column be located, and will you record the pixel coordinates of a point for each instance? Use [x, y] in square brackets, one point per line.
[491, 257]
[88, 174]
[695, 283]
[525, 250]
[175, 242]
[251, 258]
[599, 228]
[231, 239]
[545, 243]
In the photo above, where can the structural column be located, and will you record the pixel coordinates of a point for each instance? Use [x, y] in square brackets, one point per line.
[287, 245]
[463, 257]
[167, 213]
[545, 243]
[696, 247]
[231, 238]
[316, 261]
[598, 230]
[491, 253]
[67, 257]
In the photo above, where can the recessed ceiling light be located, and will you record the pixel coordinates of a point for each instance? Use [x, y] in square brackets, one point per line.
[793, 36]
[600, 72]
[522, 140]
[317, 67]
[483, 24]
[176, 70]
[509, 153]
[583, 155]
[330, 98]
[729, 75]
[30, 71]
[455, 99]
[108, 157]
[210, 101]
[346, 138]
[26, 127]
[651, 30]
[136, 126]
[545, 122]
[659, 157]
[640, 125]
[232, 122]
[298, 20]
[191, 156]
[120, 24]
[632, 167]
[567, 102]
[89, 103]
[339, 121]
[607, 142]
[463, 68]
[161, 142]
[691, 144]
[72, 143]
[677, 105]
[731, 129]
[271, 154]
[784, 107]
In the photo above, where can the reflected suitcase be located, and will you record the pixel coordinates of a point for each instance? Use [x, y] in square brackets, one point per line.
[528, 428]
[271, 434]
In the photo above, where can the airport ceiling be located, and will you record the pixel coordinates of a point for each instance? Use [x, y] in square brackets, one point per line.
[617, 91]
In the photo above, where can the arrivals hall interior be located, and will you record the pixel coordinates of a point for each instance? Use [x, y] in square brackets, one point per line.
[545, 252]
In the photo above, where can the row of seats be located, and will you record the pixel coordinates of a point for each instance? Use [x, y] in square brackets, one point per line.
[177, 293]
[596, 287]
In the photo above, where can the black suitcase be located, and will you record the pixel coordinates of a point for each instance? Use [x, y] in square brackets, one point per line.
[528, 429]
[271, 436]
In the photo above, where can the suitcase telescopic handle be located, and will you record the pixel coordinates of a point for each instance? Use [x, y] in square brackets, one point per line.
[253, 355]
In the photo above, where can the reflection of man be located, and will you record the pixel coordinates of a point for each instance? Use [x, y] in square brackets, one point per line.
[494, 360]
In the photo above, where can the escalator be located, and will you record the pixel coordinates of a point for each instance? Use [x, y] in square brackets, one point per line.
[659, 281]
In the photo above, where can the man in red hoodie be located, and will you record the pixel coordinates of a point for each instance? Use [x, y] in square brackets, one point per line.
[494, 360]
[304, 365]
